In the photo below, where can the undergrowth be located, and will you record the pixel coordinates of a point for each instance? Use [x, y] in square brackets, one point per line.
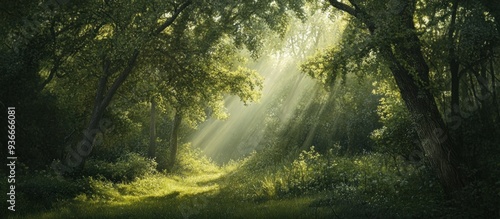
[381, 185]
[307, 185]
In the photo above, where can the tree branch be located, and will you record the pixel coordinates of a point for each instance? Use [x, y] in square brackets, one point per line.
[356, 12]
[53, 72]
[102, 83]
[169, 21]
[343, 7]
[119, 81]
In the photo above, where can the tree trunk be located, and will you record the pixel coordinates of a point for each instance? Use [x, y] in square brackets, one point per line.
[412, 79]
[431, 130]
[152, 130]
[455, 126]
[173, 140]
[75, 158]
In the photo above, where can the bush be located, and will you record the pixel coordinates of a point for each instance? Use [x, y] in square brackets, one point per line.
[192, 161]
[100, 190]
[41, 189]
[382, 185]
[126, 169]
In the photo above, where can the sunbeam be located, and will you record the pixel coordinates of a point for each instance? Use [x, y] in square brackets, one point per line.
[285, 89]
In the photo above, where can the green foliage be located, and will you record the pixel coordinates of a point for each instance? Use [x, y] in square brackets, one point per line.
[196, 81]
[62, 49]
[354, 54]
[191, 161]
[101, 190]
[397, 136]
[384, 187]
[42, 190]
[127, 168]
[305, 174]
[313, 184]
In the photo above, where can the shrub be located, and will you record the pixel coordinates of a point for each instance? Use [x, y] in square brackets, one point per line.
[100, 190]
[382, 185]
[306, 174]
[126, 169]
[41, 189]
[192, 161]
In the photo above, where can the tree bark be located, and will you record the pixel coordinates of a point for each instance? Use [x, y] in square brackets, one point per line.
[152, 130]
[413, 83]
[431, 129]
[453, 63]
[173, 141]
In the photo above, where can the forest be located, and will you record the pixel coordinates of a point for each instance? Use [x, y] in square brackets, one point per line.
[250, 108]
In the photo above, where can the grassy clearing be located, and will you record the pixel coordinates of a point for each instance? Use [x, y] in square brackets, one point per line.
[160, 196]
[208, 192]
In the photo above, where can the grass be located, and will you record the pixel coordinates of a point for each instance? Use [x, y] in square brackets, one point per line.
[311, 186]
[216, 192]
[160, 196]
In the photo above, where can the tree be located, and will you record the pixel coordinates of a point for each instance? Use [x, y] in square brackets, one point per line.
[460, 42]
[493, 8]
[392, 35]
[194, 80]
[113, 34]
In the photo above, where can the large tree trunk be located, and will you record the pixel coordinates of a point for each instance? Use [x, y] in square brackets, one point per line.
[152, 130]
[431, 129]
[411, 73]
[173, 141]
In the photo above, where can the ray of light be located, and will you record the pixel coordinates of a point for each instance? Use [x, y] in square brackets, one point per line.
[285, 89]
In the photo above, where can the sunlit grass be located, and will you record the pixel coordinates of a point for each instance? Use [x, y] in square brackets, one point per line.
[153, 193]
[178, 196]
[160, 196]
